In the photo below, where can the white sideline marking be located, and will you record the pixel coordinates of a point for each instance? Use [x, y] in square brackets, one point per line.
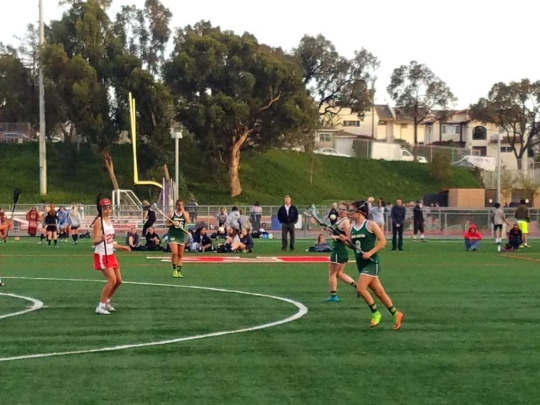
[36, 304]
[302, 310]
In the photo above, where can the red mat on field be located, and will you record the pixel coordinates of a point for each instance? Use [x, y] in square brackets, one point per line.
[248, 259]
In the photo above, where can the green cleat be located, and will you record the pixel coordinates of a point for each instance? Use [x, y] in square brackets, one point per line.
[333, 298]
[176, 273]
[375, 319]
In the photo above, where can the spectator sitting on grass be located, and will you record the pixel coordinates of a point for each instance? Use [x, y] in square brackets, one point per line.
[201, 241]
[133, 240]
[472, 238]
[246, 242]
[515, 238]
[321, 245]
[153, 241]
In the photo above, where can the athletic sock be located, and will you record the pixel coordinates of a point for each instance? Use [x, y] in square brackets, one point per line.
[392, 309]
[49, 242]
[333, 293]
[373, 308]
[55, 242]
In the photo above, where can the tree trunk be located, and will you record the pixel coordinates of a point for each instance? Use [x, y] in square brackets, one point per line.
[234, 165]
[110, 169]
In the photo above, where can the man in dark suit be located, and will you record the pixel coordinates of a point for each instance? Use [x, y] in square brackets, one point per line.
[397, 214]
[287, 217]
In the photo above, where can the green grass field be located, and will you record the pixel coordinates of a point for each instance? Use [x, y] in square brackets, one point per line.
[470, 334]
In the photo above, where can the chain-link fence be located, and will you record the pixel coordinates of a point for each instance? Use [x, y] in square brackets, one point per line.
[440, 222]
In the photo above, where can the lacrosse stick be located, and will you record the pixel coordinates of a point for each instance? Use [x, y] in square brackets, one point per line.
[176, 224]
[16, 193]
[100, 214]
[312, 212]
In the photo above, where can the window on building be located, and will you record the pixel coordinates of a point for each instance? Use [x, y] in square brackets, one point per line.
[382, 122]
[479, 134]
[325, 137]
[451, 129]
[351, 123]
[506, 149]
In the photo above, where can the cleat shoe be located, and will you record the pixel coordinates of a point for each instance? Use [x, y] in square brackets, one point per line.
[102, 310]
[109, 307]
[180, 274]
[175, 274]
[334, 298]
[398, 318]
[375, 319]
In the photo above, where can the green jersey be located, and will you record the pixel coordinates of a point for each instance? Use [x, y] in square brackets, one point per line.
[340, 252]
[364, 240]
[176, 234]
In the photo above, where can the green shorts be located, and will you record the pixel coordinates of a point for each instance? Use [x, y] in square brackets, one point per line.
[339, 255]
[369, 268]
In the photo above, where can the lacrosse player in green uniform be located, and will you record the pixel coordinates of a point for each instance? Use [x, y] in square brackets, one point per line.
[340, 253]
[367, 239]
[176, 222]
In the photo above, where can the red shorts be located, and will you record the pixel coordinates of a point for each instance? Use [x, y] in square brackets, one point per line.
[100, 263]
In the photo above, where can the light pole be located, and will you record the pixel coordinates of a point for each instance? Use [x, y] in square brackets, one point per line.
[42, 129]
[176, 136]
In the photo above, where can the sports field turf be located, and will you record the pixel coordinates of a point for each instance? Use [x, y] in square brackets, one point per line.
[470, 334]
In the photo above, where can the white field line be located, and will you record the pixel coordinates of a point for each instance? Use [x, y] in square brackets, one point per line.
[302, 310]
[36, 304]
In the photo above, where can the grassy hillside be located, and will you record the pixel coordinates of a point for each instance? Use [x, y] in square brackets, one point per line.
[265, 177]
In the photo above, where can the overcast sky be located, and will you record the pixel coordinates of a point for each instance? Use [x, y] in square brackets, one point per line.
[470, 45]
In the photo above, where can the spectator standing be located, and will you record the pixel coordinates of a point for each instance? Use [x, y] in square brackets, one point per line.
[523, 219]
[256, 215]
[498, 220]
[149, 217]
[418, 220]
[397, 214]
[244, 221]
[377, 213]
[192, 208]
[63, 224]
[51, 226]
[287, 217]
[74, 221]
[221, 217]
[32, 217]
[472, 238]
[232, 219]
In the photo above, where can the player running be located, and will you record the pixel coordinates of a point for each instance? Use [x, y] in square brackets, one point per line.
[367, 239]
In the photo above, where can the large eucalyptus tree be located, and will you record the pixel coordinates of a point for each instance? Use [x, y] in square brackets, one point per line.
[232, 92]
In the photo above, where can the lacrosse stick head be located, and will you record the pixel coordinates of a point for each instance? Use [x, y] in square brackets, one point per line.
[313, 212]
